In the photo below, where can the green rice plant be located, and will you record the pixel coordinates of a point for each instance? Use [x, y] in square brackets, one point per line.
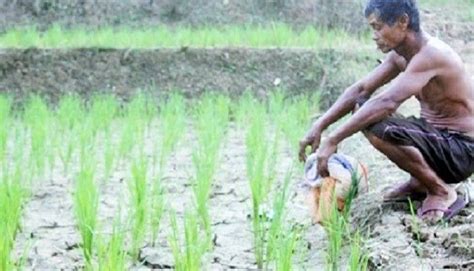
[212, 116]
[112, 254]
[187, 253]
[12, 197]
[138, 191]
[293, 123]
[242, 113]
[335, 227]
[103, 110]
[338, 228]
[173, 122]
[157, 207]
[135, 118]
[37, 116]
[86, 199]
[5, 122]
[285, 248]
[261, 162]
[109, 156]
[276, 230]
[358, 260]
[70, 115]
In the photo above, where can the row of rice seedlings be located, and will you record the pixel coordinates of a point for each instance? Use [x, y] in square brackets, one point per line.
[187, 253]
[212, 116]
[12, 197]
[86, 200]
[275, 35]
[138, 190]
[261, 173]
[338, 229]
[173, 121]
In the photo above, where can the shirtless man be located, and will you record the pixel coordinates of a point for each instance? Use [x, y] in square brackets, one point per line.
[436, 149]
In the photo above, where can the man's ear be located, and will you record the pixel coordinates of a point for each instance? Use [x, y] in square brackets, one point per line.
[404, 21]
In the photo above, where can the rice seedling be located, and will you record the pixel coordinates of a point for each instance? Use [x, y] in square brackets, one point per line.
[138, 191]
[261, 161]
[211, 125]
[111, 253]
[338, 228]
[135, 118]
[187, 253]
[86, 199]
[103, 110]
[157, 208]
[173, 121]
[37, 116]
[12, 197]
[5, 109]
[358, 260]
[285, 250]
[275, 235]
[70, 115]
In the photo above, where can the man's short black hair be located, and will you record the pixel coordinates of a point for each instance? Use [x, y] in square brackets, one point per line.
[389, 11]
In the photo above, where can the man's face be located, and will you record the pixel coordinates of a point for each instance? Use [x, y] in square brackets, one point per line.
[385, 36]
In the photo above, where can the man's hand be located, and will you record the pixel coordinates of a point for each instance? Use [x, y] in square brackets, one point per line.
[313, 138]
[326, 149]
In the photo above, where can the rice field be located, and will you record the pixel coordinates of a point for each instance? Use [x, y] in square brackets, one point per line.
[172, 183]
[275, 35]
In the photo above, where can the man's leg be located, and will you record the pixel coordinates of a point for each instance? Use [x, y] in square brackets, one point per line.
[410, 159]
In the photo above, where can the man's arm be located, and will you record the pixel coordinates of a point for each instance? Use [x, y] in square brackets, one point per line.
[419, 72]
[382, 74]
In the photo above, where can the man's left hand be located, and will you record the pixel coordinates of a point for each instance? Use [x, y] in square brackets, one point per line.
[326, 149]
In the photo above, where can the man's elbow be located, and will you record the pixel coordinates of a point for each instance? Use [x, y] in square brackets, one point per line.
[389, 105]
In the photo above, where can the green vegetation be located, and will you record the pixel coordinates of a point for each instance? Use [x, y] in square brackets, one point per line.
[12, 197]
[187, 253]
[212, 116]
[277, 35]
[86, 200]
[339, 230]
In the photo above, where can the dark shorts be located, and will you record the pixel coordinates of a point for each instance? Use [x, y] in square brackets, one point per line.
[449, 154]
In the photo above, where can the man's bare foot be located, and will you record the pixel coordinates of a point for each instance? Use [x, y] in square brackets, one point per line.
[412, 188]
[434, 207]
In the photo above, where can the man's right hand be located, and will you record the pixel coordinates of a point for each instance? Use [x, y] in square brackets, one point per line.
[312, 138]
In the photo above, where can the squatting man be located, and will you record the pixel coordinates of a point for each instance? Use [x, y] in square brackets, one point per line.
[436, 149]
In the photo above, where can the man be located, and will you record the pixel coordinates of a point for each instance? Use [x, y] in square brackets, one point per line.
[436, 149]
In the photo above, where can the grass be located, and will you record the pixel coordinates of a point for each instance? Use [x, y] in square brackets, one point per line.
[276, 35]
